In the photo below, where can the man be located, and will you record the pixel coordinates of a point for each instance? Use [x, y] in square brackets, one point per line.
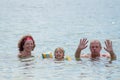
[95, 48]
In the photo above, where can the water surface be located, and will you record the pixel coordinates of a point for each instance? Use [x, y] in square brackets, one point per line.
[55, 23]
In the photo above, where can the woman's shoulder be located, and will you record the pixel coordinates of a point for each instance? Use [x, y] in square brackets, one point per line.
[19, 55]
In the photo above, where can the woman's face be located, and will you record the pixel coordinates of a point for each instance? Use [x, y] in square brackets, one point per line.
[28, 46]
[59, 54]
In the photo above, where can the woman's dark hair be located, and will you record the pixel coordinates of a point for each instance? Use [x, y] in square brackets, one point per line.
[23, 40]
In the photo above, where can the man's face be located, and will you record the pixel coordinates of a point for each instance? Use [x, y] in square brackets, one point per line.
[95, 48]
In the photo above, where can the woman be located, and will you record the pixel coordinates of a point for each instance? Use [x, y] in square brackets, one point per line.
[26, 45]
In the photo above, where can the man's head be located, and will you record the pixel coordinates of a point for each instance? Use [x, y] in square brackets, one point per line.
[95, 48]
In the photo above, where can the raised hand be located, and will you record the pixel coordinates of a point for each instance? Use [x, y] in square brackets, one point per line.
[83, 43]
[108, 47]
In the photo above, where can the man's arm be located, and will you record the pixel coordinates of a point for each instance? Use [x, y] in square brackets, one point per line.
[109, 49]
[82, 45]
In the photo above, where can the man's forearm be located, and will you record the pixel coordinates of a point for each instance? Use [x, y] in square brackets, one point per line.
[113, 55]
[77, 53]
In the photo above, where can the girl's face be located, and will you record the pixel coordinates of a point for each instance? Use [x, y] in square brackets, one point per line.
[28, 46]
[59, 54]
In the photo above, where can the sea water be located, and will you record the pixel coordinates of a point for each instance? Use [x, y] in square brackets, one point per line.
[53, 24]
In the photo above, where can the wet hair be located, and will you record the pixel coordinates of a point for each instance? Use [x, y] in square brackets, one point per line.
[96, 41]
[23, 40]
[59, 48]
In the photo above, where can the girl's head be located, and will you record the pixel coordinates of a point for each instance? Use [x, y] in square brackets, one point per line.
[26, 43]
[59, 53]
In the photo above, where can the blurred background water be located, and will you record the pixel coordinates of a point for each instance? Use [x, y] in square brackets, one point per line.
[52, 24]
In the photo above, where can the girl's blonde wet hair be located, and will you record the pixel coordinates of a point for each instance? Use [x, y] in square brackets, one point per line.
[59, 48]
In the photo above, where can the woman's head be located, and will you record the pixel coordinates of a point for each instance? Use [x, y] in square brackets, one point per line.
[26, 43]
[59, 53]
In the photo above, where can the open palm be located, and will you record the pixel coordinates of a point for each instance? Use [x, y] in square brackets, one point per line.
[108, 47]
[83, 43]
